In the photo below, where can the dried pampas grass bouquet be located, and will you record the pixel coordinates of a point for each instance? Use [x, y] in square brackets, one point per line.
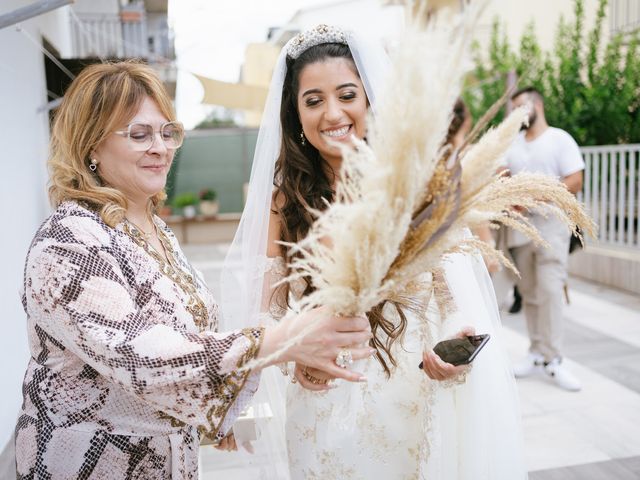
[403, 200]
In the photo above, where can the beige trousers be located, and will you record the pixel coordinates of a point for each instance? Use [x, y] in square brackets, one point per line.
[543, 276]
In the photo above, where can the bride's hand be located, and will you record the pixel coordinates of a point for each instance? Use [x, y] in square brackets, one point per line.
[437, 369]
[312, 378]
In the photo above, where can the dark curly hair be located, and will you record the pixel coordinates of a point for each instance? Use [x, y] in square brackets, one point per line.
[460, 115]
[303, 181]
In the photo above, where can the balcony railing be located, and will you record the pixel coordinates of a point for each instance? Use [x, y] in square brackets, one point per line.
[130, 33]
[109, 36]
[611, 193]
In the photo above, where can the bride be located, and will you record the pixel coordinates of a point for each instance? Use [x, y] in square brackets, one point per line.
[399, 423]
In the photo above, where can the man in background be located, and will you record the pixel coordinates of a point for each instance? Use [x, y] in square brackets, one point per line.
[543, 149]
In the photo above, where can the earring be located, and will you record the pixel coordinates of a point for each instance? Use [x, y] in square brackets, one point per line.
[93, 166]
[303, 140]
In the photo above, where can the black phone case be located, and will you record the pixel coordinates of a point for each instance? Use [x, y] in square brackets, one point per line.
[461, 351]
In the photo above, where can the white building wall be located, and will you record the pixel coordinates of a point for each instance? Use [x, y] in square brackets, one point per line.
[515, 15]
[368, 17]
[99, 7]
[373, 18]
[24, 136]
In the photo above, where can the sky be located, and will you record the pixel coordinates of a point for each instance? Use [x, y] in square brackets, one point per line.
[210, 40]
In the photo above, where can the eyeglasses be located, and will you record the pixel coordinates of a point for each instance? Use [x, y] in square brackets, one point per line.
[142, 135]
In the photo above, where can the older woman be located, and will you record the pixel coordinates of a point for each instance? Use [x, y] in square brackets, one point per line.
[126, 367]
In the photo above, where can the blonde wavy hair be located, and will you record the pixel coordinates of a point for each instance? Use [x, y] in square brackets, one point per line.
[103, 98]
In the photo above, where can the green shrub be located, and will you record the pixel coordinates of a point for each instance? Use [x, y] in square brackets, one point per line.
[185, 199]
[208, 194]
[591, 89]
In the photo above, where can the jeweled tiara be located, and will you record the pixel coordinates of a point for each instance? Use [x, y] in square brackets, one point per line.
[320, 34]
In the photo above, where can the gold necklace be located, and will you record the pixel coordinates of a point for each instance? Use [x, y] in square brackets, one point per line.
[144, 234]
[169, 267]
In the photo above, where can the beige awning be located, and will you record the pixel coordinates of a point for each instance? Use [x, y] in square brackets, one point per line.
[233, 95]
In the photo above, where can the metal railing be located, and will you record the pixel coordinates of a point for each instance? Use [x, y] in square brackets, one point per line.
[97, 36]
[611, 192]
[105, 35]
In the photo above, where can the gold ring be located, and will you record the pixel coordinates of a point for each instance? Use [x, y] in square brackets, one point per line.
[312, 379]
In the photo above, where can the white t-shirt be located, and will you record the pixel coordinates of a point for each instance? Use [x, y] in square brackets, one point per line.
[554, 153]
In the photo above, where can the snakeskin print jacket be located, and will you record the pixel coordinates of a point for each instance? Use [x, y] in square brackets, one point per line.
[126, 369]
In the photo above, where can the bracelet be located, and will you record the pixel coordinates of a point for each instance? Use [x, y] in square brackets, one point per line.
[312, 379]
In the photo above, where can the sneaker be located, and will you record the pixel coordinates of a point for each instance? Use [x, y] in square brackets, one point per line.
[562, 376]
[530, 364]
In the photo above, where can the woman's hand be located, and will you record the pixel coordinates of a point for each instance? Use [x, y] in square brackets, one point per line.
[437, 369]
[228, 443]
[325, 335]
[312, 378]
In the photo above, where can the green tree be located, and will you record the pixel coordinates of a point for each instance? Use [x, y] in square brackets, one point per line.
[488, 81]
[217, 119]
[591, 89]
[216, 123]
[530, 61]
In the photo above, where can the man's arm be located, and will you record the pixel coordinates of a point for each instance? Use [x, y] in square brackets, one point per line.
[573, 182]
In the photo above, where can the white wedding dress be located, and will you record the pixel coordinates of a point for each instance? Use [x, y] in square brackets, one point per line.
[362, 431]
[408, 426]
[403, 427]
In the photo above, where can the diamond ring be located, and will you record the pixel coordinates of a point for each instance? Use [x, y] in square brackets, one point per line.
[344, 358]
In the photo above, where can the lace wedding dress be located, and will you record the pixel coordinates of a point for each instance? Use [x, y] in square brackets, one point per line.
[363, 431]
[407, 426]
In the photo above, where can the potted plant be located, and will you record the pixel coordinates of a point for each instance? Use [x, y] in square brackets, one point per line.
[187, 202]
[208, 203]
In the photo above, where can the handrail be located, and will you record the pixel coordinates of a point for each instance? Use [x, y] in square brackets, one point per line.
[611, 192]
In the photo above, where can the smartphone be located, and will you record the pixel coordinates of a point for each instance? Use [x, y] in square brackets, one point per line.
[460, 351]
